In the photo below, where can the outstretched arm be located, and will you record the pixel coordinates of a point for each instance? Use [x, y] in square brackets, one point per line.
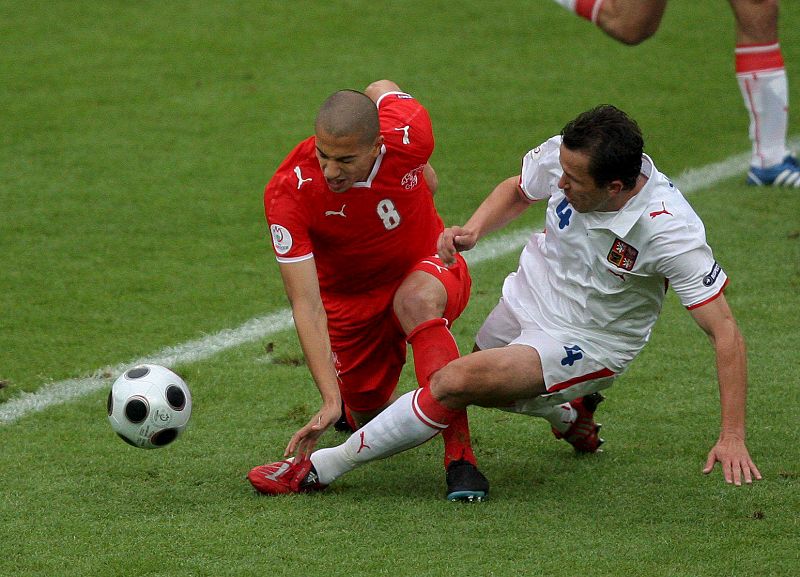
[311, 322]
[503, 205]
[716, 319]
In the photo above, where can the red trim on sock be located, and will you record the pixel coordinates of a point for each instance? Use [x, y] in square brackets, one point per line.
[432, 412]
[586, 9]
[752, 58]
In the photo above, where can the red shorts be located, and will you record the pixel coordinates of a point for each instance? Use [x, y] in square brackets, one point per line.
[369, 346]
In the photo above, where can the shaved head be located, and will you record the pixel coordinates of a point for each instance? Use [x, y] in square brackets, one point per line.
[349, 113]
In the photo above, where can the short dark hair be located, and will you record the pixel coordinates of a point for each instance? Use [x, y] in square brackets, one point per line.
[613, 142]
[349, 113]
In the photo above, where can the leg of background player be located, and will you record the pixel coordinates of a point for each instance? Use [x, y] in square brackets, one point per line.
[762, 79]
[629, 21]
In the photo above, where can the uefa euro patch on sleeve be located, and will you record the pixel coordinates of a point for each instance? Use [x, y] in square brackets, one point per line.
[622, 255]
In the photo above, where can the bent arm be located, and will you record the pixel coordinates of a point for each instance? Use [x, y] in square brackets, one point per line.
[380, 87]
[716, 319]
[377, 89]
[505, 203]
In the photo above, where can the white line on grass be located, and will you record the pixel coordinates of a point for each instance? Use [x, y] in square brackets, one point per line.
[63, 391]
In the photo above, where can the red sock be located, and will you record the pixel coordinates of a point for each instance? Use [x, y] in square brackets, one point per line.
[588, 9]
[434, 346]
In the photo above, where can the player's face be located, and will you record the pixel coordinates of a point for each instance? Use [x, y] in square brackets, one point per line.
[345, 160]
[579, 186]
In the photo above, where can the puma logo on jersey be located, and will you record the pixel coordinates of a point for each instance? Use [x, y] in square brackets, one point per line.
[406, 139]
[300, 179]
[339, 212]
[660, 212]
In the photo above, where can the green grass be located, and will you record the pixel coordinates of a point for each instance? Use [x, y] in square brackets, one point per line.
[136, 140]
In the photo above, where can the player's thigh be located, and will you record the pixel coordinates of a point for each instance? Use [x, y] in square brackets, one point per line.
[490, 378]
[432, 290]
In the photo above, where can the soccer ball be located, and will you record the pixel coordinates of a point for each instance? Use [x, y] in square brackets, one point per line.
[149, 406]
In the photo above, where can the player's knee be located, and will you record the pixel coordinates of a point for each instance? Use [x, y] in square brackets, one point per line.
[630, 27]
[636, 34]
[451, 386]
[414, 305]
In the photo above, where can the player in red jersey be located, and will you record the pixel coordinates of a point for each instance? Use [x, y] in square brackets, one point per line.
[759, 70]
[354, 228]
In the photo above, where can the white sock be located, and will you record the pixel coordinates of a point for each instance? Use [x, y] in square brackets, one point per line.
[395, 429]
[762, 81]
[568, 4]
[560, 417]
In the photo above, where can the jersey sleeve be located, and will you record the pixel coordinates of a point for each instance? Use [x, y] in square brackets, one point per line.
[694, 274]
[406, 126]
[541, 170]
[287, 220]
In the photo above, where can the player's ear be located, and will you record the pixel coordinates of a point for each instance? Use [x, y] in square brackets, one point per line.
[378, 144]
[615, 187]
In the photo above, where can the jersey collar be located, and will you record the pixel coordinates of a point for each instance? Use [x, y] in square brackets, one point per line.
[368, 183]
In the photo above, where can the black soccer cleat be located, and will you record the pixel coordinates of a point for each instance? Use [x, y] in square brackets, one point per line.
[466, 483]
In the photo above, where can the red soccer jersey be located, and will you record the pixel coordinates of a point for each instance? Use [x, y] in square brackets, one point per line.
[372, 234]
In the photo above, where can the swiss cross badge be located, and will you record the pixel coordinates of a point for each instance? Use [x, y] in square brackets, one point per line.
[622, 255]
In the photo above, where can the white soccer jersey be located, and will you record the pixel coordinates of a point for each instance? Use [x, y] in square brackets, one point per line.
[598, 279]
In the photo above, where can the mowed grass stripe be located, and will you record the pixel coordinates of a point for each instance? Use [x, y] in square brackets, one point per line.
[53, 394]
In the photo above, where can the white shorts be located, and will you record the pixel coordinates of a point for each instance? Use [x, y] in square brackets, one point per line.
[568, 372]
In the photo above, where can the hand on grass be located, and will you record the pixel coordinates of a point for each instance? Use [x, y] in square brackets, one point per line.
[731, 453]
[304, 440]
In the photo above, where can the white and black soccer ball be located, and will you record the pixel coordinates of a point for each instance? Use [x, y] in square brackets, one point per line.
[149, 406]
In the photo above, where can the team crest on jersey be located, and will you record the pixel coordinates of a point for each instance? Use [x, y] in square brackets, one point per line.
[622, 255]
[281, 239]
[411, 178]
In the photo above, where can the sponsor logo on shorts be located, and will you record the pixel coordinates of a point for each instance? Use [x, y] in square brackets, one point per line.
[281, 239]
[712, 277]
[622, 255]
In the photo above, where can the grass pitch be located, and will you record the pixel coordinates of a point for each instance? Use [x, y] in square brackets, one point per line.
[136, 140]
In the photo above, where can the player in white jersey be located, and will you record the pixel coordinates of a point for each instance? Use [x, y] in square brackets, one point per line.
[760, 72]
[577, 310]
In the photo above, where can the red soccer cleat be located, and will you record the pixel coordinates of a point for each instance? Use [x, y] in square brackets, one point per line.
[285, 477]
[583, 434]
